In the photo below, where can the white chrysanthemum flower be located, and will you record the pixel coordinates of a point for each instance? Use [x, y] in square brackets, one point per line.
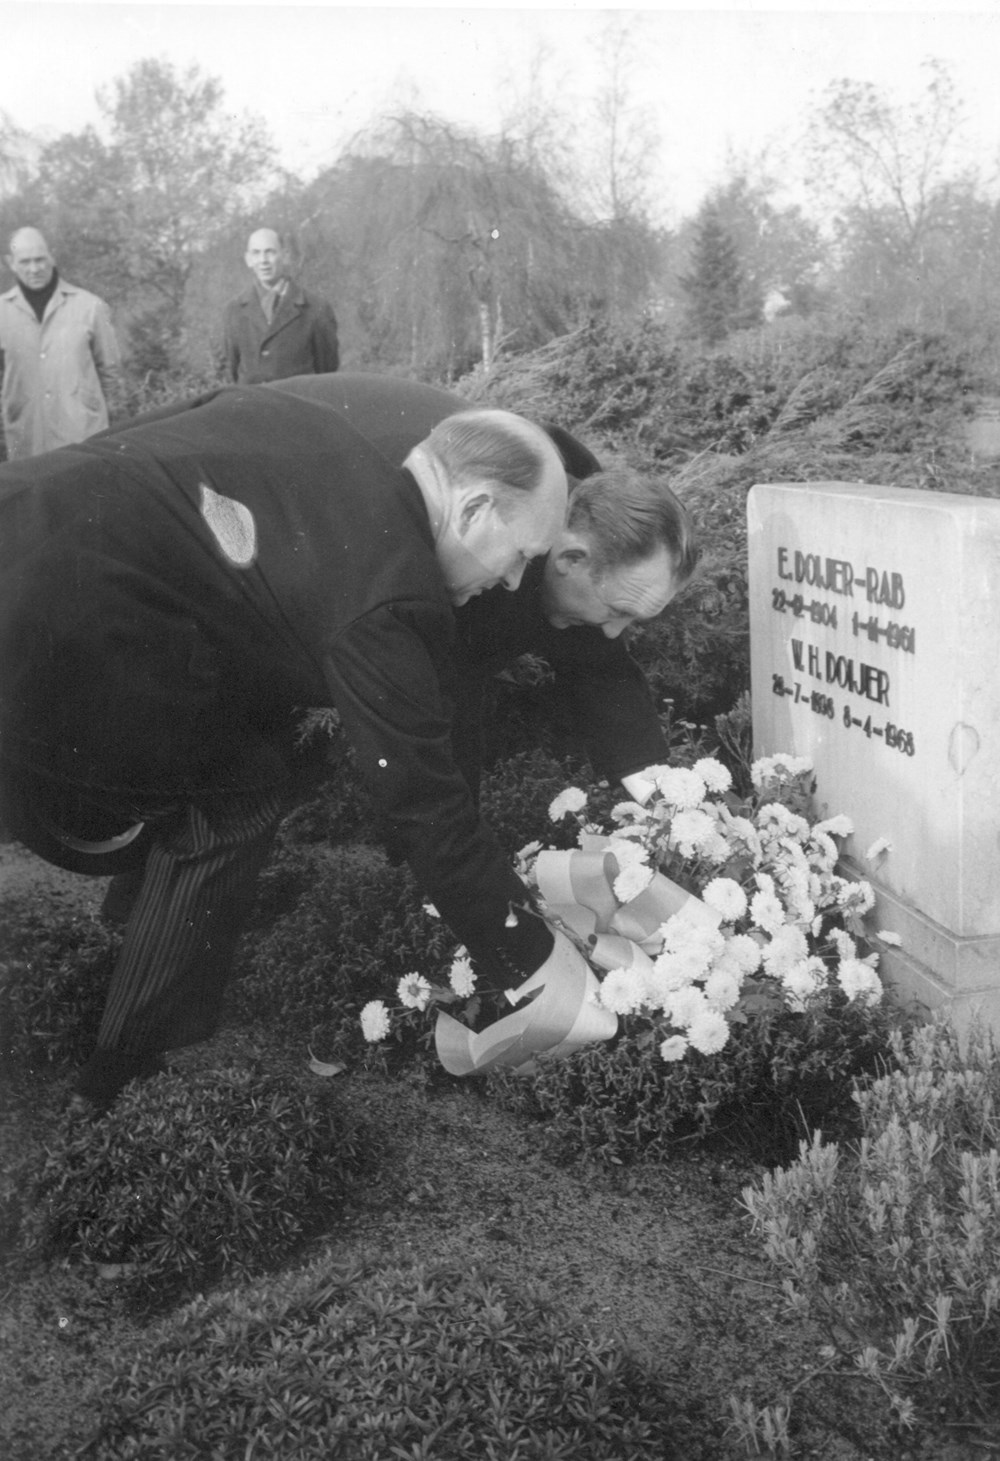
[821, 850]
[716, 849]
[778, 768]
[569, 801]
[722, 989]
[879, 848]
[888, 937]
[679, 787]
[844, 944]
[623, 991]
[774, 819]
[839, 826]
[688, 936]
[674, 1048]
[686, 1005]
[691, 830]
[414, 992]
[627, 852]
[709, 1032]
[859, 981]
[716, 777]
[727, 898]
[802, 981]
[788, 946]
[629, 812]
[741, 953]
[375, 1022]
[766, 911]
[631, 881]
[461, 976]
[857, 897]
[668, 974]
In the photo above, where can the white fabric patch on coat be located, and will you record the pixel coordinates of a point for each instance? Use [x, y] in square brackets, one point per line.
[232, 525]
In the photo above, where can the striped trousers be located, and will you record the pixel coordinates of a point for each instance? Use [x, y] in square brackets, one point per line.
[176, 959]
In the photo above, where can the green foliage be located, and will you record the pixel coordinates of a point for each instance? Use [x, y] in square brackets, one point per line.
[358, 927]
[780, 1075]
[516, 796]
[891, 1245]
[406, 1363]
[54, 970]
[189, 1177]
[715, 285]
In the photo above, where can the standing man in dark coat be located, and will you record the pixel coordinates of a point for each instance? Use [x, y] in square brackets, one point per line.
[276, 328]
[172, 592]
[626, 549]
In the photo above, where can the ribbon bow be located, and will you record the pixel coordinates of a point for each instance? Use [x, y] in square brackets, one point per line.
[564, 1013]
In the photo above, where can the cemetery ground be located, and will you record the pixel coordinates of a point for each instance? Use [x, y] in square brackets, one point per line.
[658, 1285]
[655, 1261]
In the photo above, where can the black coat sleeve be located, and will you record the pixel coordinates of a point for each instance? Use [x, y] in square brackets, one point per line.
[386, 675]
[326, 346]
[604, 695]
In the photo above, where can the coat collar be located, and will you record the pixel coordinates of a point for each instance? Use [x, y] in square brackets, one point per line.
[15, 297]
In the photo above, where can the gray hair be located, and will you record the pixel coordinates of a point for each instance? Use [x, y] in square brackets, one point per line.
[494, 447]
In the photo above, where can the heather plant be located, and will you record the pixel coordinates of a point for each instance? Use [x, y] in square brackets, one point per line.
[890, 1245]
[191, 1177]
[783, 1074]
[359, 923]
[54, 970]
[419, 1362]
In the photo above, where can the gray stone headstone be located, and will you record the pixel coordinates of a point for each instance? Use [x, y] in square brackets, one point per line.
[874, 627]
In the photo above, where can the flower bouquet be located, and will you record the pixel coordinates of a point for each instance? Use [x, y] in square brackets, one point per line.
[693, 910]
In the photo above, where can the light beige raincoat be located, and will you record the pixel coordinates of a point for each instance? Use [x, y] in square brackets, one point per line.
[56, 373]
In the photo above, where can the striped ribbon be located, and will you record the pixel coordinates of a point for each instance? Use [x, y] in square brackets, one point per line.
[563, 1013]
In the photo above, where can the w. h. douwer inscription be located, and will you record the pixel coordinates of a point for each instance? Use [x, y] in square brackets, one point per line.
[874, 618]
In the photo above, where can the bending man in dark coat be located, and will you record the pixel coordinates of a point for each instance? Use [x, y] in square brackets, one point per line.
[172, 592]
[626, 549]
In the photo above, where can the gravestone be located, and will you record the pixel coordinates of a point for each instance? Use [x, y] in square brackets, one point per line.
[874, 628]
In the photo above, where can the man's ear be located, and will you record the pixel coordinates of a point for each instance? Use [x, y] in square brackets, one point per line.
[474, 509]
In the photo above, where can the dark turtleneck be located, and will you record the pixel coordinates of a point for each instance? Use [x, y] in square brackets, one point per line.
[39, 298]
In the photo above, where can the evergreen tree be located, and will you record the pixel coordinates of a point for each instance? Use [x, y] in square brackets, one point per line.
[714, 285]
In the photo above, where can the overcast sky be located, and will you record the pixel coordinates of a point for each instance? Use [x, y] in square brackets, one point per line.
[734, 78]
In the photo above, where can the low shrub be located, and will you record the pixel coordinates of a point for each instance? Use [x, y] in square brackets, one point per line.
[516, 795]
[891, 1246]
[54, 972]
[351, 936]
[188, 1178]
[397, 1363]
[782, 1074]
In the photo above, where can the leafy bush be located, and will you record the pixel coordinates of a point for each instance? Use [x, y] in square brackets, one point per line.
[399, 1363]
[783, 1073]
[54, 972]
[891, 1246]
[187, 1178]
[516, 795]
[352, 935]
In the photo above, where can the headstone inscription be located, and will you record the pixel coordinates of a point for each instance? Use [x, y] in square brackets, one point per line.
[874, 621]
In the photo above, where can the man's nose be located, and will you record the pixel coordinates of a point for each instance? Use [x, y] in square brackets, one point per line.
[613, 627]
[512, 579]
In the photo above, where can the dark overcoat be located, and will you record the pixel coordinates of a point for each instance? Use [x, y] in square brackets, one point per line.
[300, 339]
[170, 592]
[600, 691]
